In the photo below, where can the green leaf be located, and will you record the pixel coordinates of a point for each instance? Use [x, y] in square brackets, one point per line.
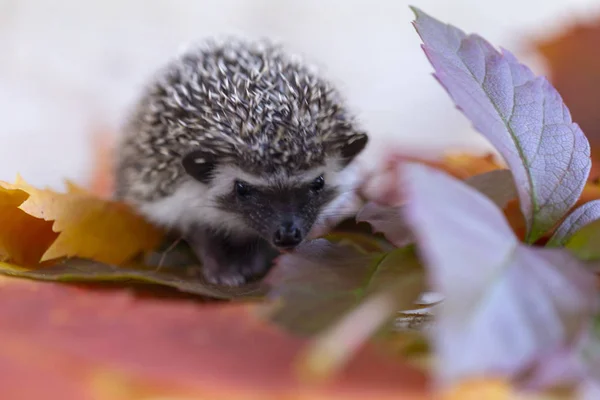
[585, 243]
[321, 281]
[399, 281]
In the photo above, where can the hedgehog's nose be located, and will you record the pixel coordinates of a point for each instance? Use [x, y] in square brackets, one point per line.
[287, 236]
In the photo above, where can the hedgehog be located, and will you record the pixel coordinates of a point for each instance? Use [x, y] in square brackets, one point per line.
[240, 148]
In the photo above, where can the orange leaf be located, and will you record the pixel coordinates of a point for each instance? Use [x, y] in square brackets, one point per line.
[574, 69]
[78, 344]
[382, 184]
[23, 238]
[488, 389]
[464, 165]
[89, 227]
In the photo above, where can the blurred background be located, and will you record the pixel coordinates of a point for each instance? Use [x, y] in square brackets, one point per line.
[71, 68]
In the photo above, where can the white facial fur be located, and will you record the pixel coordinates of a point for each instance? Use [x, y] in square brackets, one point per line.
[193, 203]
[344, 206]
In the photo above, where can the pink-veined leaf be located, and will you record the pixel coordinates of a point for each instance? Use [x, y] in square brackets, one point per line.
[505, 304]
[576, 220]
[522, 115]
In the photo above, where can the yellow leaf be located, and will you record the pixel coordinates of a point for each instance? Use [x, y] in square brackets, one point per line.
[465, 165]
[23, 238]
[88, 227]
[72, 187]
[476, 389]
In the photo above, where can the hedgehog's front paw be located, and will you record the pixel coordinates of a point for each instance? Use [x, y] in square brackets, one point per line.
[229, 277]
[236, 271]
[229, 262]
[257, 267]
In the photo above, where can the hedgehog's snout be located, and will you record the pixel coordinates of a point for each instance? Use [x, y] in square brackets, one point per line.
[287, 236]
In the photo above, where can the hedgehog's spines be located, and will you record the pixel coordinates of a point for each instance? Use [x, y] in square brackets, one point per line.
[247, 102]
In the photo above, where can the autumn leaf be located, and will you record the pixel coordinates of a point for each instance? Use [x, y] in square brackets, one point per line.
[88, 227]
[334, 346]
[341, 296]
[465, 165]
[111, 345]
[365, 243]
[187, 279]
[493, 285]
[489, 389]
[380, 184]
[23, 238]
[523, 116]
[573, 66]
[321, 281]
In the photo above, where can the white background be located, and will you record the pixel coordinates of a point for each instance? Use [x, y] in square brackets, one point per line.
[70, 67]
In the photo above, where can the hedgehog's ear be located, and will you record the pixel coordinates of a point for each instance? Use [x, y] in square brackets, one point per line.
[199, 165]
[352, 147]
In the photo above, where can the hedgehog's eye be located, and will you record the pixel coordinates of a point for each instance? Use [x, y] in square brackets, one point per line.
[317, 184]
[242, 189]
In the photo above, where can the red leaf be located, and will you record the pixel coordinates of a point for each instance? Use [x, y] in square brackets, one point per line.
[62, 342]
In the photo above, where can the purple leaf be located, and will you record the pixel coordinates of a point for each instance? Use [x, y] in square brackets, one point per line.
[589, 358]
[580, 217]
[497, 185]
[589, 390]
[506, 304]
[523, 116]
[386, 220]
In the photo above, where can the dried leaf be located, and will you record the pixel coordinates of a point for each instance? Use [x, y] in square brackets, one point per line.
[495, 288]
[338, 343]
[186, 279]
[88, 227]
[465, 165]
[321, 281]
[590, 192]
[23, 238]
[489, 389]
[578, 218]
[364, 243]
[523, 116]
[110, 345]
[573, 65]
